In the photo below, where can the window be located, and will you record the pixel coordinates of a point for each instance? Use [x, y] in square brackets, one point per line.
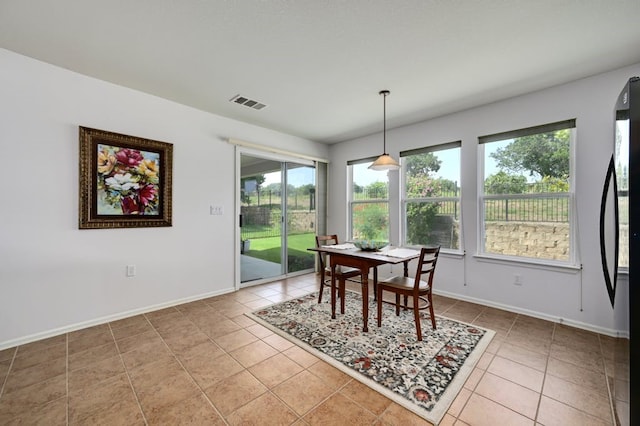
[526, 199]
[368, 202]
[431, 196]
[622, 180]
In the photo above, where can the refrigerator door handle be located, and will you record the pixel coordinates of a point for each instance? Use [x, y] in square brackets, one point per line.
[610, 281]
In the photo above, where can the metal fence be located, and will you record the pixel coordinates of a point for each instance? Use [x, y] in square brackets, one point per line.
[527, 208]
[265, 222]
[505, 208]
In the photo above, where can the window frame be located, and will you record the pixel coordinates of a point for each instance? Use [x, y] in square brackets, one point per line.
[573, 261]
[405, 201]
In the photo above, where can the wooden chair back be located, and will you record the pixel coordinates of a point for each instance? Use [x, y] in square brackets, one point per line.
[325, 240]
[426, 265]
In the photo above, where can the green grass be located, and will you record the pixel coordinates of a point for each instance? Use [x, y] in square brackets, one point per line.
[299, 257]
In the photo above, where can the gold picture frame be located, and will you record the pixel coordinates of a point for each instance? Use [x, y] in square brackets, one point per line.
[125, 181]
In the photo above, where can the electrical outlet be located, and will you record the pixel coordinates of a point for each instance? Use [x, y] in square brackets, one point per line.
[216, 210]
[517, 279]
[131, 270]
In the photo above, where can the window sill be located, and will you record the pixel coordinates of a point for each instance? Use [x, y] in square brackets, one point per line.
[456, 254]
[529, 263]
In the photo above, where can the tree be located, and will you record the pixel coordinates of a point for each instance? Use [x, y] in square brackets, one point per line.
[376, 190]
[371, 222]
[420, 216]
[422, 164]
[250, 180]
[542, 154]
[503, 183]
[306, 189]
[275, 188]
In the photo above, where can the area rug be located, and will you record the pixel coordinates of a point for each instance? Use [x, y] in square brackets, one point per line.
[424, 377]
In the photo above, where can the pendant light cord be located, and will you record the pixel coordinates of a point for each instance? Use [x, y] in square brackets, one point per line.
[384, 93]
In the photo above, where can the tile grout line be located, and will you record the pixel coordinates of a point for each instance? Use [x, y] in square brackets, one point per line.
[193, 380]
[67, 377]
[606, 379]
[518, 384]
[556, 325]
[544, 377]
[270, 390]
[473, 391]
[126, 371]
[6, 377]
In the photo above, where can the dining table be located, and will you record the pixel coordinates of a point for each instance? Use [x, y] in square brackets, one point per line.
[349, 255]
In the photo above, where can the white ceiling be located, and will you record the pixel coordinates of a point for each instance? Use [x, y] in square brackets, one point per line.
[319, 64]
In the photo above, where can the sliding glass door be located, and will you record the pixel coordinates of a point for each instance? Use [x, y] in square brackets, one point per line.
[301, 216]
[277, 217]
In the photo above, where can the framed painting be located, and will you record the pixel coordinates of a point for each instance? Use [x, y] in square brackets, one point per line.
[125, 181]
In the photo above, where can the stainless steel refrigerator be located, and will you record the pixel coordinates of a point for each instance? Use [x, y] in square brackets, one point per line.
[620, 252]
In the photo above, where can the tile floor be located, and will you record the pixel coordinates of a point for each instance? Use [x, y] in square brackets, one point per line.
[206, 363]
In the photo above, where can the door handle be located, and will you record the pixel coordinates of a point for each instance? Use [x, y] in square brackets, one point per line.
[610, 281]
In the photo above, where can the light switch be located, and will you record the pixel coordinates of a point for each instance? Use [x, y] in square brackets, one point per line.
[215, 210]
[131, 270]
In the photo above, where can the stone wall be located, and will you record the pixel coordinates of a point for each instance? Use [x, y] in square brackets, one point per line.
[530, 239]
[540, 240]
[301, 221]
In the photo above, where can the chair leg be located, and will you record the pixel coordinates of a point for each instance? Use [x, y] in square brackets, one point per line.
[321, 286]
[341, 292]
[379, 297]
[433, 317]
[416, 316]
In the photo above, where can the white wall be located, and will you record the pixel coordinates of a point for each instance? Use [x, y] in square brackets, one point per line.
[55, 277]
[578, 298]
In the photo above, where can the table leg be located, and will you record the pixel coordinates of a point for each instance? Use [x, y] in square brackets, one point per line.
[333, 291]
[375, 283]
[365, 300]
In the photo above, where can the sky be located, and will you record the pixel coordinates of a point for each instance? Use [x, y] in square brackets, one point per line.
[296, 177]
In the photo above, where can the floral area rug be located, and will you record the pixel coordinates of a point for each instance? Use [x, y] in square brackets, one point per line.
[424, 377]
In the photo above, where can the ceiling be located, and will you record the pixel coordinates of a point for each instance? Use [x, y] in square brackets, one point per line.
[318, 65]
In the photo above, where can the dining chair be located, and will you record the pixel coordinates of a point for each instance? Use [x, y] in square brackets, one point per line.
[343, 273]
[418, 287]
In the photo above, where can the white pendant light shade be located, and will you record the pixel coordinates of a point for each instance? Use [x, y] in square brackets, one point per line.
[385, 161]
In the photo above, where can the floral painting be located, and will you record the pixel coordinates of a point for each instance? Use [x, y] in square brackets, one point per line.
[125, 181]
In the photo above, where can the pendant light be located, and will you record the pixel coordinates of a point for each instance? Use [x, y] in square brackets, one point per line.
[385, 161]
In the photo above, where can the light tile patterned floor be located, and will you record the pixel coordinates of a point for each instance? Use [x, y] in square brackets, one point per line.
[206, 363]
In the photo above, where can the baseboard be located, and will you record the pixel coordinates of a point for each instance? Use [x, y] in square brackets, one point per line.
[109, 318]
[535, 314]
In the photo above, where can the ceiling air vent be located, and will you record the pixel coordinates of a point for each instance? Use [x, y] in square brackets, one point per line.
[250, 103]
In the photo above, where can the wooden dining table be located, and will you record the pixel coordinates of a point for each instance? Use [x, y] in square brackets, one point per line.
[364, 261]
